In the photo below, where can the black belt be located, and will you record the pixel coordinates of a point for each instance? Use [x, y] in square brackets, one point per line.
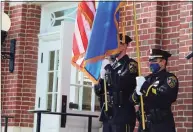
[158, 115]
[118, 98]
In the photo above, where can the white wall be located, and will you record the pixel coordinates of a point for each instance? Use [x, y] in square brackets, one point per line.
[17, 129]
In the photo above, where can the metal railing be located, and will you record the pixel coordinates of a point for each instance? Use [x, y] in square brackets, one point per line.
[6, 117]
[40, 112]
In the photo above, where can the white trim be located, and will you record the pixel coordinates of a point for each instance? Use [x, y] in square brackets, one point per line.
[46, 2]
[65, 65]
[61, 5]
[49, 36]
[54, 93]
[49, 8]
[43, 17]
[80, 93]
[92, 100]
[61, 72]
[80, 85]
[84, 112]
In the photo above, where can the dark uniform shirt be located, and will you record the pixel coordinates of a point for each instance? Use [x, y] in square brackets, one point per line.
[159, 92]
[122, 78]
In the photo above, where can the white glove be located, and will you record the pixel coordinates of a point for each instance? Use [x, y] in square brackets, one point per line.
[103, 71]
[138, 90]
[140, 80]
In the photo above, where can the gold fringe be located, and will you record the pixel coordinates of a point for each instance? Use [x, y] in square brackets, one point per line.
[82, 69]
[123, 28]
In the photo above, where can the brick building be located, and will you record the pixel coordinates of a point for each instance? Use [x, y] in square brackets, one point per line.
[37, 84]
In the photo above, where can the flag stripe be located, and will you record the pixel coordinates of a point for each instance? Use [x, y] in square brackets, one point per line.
[79, 39]
[79, 61]
[91, 6]
[86, 27]
[87, 9]
[82, 30]
[87, 12]
[75, 46]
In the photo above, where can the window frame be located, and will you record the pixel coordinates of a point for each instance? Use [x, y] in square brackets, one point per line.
[54, 91]
[81, 87]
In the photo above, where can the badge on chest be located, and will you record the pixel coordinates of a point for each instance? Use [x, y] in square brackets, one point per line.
[156, 83]
[119, 68]
[116, 65]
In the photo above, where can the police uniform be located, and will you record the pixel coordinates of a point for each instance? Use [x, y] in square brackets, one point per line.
[120, 77]
[159, 91]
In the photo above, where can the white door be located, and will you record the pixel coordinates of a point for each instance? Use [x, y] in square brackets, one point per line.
[53, 75]
[47, 83]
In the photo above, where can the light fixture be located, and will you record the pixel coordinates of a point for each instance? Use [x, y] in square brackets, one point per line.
[6, 24]
[190, 55]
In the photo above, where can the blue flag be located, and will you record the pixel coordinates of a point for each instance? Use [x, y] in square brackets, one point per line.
[93, 70]
[104, 38]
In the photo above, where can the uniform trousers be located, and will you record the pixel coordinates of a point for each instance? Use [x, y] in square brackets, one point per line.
[118, 127]
[166, 126]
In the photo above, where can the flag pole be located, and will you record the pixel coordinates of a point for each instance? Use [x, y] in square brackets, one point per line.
[105, 92]
[123, 30]
[139, 64]
[123, 24]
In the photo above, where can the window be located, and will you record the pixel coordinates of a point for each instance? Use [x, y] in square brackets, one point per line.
[82, 92]
[58, 16]
[52, 87]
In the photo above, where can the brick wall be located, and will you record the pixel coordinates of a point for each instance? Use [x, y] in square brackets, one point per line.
[18, 88]
[185, 68]
[165, 25]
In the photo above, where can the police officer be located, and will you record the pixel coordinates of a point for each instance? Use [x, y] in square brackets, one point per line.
[159, 91]
[121, 81]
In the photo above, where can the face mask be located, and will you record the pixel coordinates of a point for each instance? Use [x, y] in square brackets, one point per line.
[113, 57]
[155, 67]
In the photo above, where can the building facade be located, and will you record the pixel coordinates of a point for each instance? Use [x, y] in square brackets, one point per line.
[43, 72]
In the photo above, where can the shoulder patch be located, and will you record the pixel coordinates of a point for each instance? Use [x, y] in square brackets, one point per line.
[172, 81]
[133, 67]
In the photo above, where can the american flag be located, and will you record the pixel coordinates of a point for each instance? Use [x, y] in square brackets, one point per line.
[85, 16]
